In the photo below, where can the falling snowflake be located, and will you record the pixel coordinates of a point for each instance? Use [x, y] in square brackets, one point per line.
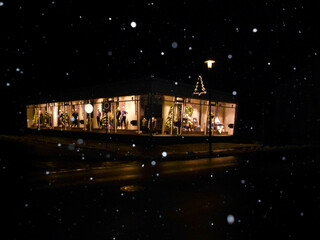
[133, 24]
[234, 93]
[164, 154]
[229, 56]
[254, 30]
[230, 219]
[153, 163]
[174, 45]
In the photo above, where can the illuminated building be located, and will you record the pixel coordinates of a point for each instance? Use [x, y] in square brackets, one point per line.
[150, 106]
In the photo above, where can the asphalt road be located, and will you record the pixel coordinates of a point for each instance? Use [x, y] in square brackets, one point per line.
[55, 193]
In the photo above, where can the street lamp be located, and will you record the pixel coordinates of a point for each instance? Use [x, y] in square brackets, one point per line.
[209, 63]
[209, 66]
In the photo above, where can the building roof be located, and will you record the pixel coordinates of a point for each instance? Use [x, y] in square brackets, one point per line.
[134, 87]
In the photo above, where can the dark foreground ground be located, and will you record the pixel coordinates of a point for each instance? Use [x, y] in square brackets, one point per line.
[48, 193]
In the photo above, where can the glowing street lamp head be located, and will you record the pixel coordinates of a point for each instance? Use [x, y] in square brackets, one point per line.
[209, 63]
[88, 108]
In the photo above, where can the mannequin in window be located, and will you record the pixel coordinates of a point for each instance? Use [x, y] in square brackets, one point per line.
[41, 118]
[144, 125]
[60, 119]
[98, 118]
[123, 117]
[75, 116]
[190, 122]
[118, 114]
[154, 124]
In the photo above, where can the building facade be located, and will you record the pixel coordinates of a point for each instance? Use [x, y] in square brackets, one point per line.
[150, 106]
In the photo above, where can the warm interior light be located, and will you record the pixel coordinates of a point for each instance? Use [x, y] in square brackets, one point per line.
[88, 108]
[209, 63]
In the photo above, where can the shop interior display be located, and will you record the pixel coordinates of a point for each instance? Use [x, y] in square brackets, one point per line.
[63, 119]
[167, 116]
[189, 123]
[218, 126]
[42, 120]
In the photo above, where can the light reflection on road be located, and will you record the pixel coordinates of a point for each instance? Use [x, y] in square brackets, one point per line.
[120, 171]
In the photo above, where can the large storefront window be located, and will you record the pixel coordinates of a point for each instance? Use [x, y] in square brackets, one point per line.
[184, 116]
[224, 117]
[77, 113]
[151, 118]
[194, 119]
[145, 114]
[126, 113]
[39, 116]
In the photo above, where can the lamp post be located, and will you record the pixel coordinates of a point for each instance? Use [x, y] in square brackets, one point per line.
[209, 66]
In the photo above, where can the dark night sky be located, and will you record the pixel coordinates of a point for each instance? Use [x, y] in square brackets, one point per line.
[257, 45]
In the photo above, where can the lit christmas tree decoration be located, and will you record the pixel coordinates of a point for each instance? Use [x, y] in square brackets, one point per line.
[203, 89]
